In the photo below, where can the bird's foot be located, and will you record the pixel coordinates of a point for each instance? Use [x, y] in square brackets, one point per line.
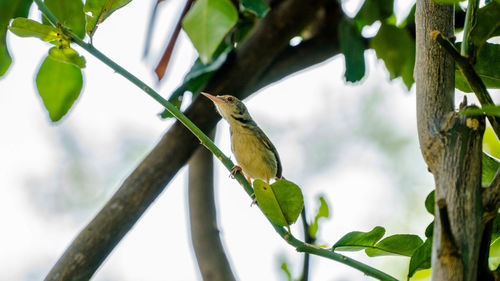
[235, 169]
[254, 201]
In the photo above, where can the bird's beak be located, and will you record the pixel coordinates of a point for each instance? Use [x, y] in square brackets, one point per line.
[213, 98]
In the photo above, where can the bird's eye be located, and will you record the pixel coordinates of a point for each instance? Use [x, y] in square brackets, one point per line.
[229, 98]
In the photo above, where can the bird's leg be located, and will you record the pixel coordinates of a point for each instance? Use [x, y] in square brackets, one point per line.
[236, 169]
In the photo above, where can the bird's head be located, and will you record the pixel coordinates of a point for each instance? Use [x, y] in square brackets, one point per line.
[231, 108]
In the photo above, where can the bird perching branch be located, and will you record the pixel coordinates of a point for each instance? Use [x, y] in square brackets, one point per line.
[471, 76]
[84, 256]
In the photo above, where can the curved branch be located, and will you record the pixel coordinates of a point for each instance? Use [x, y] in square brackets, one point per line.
[94, 243]
[207, 245]
[100, 236]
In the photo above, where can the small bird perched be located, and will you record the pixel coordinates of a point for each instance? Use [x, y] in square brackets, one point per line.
[256, 155]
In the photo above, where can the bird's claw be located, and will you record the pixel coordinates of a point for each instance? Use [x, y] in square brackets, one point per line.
[254, 201]
[235, 169]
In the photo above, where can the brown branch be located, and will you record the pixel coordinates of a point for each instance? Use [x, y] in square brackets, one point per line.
[452, 148]
[239, 74]
[207, 245]
[324, 44]
[167, 54]
[434, 77]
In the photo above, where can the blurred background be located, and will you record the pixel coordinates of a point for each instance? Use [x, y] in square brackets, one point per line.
[354, 144]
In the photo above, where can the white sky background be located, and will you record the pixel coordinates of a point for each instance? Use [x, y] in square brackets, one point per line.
[312, 109]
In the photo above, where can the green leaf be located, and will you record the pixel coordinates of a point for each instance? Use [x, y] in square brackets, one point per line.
[206, 24]
[323, 212]
[429, 230]
[495, 229]
[353, 47]
[493, 110]
[282, 201]
[166, 114]
[487, 67]
[374, 10]
[69, 13]
[99, 10]
[399, 244]
[59, 85]
[494, 255]
[284, 267]
[257, 7]
[9, 9]
[490, 168]
[429, 202]
[5, 59]
[487, 24]
[421, 258]
[397, 49]
[357, 240]
[28, 28]
[67, 55]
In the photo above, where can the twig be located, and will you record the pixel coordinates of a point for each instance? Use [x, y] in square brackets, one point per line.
[467, 48]
[205, 140]
[470, 76]
[167, 54]
[309, 240]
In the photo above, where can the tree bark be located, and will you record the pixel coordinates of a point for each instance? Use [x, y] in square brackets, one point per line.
[452, 148]
[207, 245]
[239, 76]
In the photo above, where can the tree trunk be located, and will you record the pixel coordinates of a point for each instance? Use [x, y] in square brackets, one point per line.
[212, 262]
[452, 148]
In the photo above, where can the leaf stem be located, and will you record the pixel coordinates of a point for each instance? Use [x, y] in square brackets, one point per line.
[471, 76]
[207, 142]
[467, 48]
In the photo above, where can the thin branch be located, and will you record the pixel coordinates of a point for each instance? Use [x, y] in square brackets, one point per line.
[75, 256]
[167, 54]
[309, 240]
[471, 76]
[151, 26]
[467, 48]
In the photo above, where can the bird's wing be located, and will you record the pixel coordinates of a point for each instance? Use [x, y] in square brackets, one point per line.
[265, 140]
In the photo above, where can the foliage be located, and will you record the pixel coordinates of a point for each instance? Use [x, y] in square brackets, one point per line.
[8, 10]
[59, 85]
[216, 27]
[323, 212]
[207, 23]
[98, 10]
[281, 201]
[487, 67]
[399, 244]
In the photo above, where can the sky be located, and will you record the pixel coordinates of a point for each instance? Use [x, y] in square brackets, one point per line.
[355, 144]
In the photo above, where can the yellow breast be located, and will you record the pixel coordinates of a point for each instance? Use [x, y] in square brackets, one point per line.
[254, 158]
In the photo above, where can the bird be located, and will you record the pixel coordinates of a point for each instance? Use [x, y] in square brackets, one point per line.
[255, 154]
